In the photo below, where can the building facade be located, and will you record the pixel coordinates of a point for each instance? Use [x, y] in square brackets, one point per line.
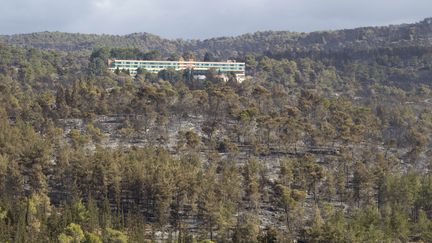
[199, 68]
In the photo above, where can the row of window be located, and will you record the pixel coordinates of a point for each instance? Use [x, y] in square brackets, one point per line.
[166, 67]
[177, 64]
[157, 70]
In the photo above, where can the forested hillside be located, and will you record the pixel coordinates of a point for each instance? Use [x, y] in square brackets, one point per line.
[329, 139]
[367, 38]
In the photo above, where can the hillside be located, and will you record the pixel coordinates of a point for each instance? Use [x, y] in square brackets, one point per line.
[329, 139]
[417, 34]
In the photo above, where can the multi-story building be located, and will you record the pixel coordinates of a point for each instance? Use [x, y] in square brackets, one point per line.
[198, 68]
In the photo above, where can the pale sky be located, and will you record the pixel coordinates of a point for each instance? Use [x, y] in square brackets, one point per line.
[191, 19]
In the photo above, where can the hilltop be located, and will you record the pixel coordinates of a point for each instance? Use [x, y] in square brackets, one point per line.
[415, 34]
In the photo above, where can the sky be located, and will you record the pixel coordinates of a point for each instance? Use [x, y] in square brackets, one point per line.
[200, 19]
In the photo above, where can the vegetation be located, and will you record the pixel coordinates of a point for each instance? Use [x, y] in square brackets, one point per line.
[318, 145]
